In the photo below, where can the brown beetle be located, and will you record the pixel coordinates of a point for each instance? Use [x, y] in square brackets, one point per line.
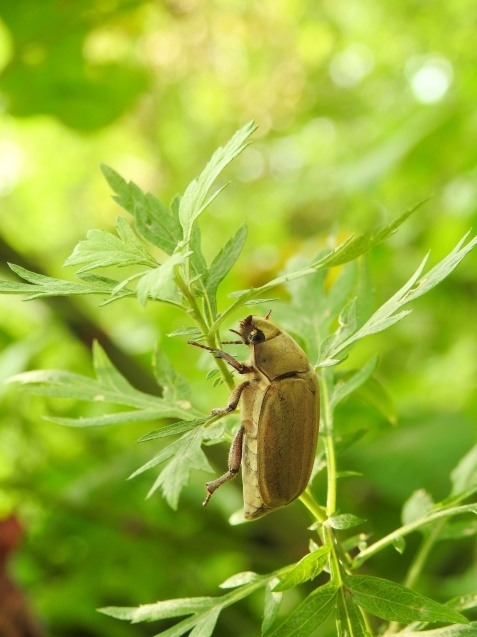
[277, 439]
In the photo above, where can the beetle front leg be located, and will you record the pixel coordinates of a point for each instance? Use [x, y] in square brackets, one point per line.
[233, 400]
[234, 462]
[240, 367]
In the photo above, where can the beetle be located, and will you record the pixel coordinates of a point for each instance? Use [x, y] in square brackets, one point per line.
[277, 439]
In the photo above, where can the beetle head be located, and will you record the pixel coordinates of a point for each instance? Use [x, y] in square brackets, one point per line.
[255, 329]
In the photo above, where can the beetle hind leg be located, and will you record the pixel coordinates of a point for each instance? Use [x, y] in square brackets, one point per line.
[235, 460]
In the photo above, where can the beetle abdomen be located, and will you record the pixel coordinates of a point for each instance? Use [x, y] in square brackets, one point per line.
[287, 443]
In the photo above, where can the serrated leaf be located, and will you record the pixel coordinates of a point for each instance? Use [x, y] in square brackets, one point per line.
[239, 579]
[102, 249]
[41, 286]
[160, 283]
[186, 454]
[195, 198]
[154, 221]
[307, 568]
[386, 315]
[271, 606]
[173, 430]
[342, 521]
[349, 620]
[109, 386]
[394, 602]
[348, 250]
[416, 506]
[344, 389]
[310, 614]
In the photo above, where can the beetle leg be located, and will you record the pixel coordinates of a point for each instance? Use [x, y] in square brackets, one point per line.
[235, 460]
[233, 400]
[240, 367]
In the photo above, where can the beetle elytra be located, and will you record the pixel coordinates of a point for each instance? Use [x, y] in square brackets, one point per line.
[276, 441]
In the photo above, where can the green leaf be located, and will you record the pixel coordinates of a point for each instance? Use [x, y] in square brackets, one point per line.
[109, 386]
[102, 249]
[195, 198]
[160, 283]
[224, 260]
[464, 476]
[386, 315]
[416, 506]
[40, 286]
[307, 568]
[457, 630]
[344, 521]
[240, 579]
[174, 386]
[154, 221]
[463, 602]
[394, 602]
[206, 624]
[173, 430]
[376, 395]
[310, 614]
[186, 454]
[160, 610]
[349, 620]
[186, 331]
[271, 605]
[344, 389]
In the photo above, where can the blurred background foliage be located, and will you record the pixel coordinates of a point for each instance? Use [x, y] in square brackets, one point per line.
[364, 108]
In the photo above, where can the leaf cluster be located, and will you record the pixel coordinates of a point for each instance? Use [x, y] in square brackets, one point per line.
[328, 320]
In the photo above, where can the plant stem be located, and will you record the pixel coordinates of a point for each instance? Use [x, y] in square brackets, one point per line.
[409, 528]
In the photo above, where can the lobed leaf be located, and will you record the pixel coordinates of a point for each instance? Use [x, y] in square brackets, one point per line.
[154, 221]
[102, 249]
[40, 286]
[344, 389]
[195, 198]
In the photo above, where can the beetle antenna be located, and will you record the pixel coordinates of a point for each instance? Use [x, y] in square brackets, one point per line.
[268, 315]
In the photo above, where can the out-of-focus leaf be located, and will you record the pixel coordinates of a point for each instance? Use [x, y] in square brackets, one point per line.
[271, 605]
[418, 504]
[344, 389]
[342, 521]
[239, 579]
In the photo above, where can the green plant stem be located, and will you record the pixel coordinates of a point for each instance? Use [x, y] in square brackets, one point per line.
[329, 444]
[409, 528]
[211, 338]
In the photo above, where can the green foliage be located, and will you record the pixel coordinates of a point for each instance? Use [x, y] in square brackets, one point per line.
[329, 320]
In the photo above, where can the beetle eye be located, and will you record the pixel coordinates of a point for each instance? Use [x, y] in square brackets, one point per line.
[256, 336]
